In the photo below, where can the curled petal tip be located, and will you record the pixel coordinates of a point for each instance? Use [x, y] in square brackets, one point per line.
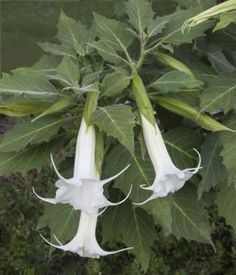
[199, 155]
[195, 169]
[117, 251]
[199, 162]
[103, 210]
[146, 187]
[50, 200]
[120, 202]
[55, 237]
[56, 246]
[68, 181]
[55, 168]
[147, 200]
[114, 177]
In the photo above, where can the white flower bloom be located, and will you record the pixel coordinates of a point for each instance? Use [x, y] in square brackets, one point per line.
[85, 194]
[83, 191]
[168, 177]
[84, 243]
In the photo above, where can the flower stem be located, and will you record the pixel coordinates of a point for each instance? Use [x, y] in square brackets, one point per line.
[141, 97]
[99, 151]
[90, 106]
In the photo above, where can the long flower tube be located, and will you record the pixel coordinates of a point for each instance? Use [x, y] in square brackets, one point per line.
[84, 191]
[168, 178]
[212, 12]
[85, 243]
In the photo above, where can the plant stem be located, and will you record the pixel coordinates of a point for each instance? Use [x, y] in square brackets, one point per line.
[90, 106]
[142, 52]
[141, 97]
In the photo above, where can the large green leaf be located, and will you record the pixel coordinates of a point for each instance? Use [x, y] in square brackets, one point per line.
[213, 171]
[190, 219]
[62, 220]
[176, 81]
[33, 157]
[57, 49]
[114, 83]
[135, 226]
[74, 35]
[161, 210]
[58, 107]
[68, 72]
[140, 14]
[27, 133]
[219, 61]
[114, 34]
[173, 34]
[139, 173]
[75, 38]
[108, 53]
[46, 66]
[182, 215]
[28, 85]
[228, 153]
[220, 94]
[157, 25]
[117, 121]
[180, 143]
[226, 201]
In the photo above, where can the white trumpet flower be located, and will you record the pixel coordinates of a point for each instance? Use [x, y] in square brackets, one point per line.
[168, 177]
[84, 243]
[84, 191]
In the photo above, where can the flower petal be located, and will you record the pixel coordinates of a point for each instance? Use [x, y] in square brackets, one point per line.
[55, 237]
[97, 250]
[152, 197]
[120, 202]
[146, 187]
[55, 168]
[196, 169]
[105, 253]
[114, 177]
[50, 200]
[68, 181]
[102, 211]
[54, 245]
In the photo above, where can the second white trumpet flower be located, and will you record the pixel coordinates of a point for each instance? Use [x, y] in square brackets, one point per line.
[168, 177]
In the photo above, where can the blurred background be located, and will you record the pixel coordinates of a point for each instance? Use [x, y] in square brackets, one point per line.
[24, 23]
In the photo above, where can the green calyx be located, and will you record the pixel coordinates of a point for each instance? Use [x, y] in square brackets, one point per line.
[141, 97]
[90, 107]
[99, 151]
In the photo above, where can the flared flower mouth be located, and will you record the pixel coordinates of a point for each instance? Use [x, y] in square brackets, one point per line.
[169, 178]
[170, 183]
[85, 194]
[84, 242]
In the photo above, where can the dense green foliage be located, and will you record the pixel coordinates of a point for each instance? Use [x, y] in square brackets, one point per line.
[24, 252]
[189, 76]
